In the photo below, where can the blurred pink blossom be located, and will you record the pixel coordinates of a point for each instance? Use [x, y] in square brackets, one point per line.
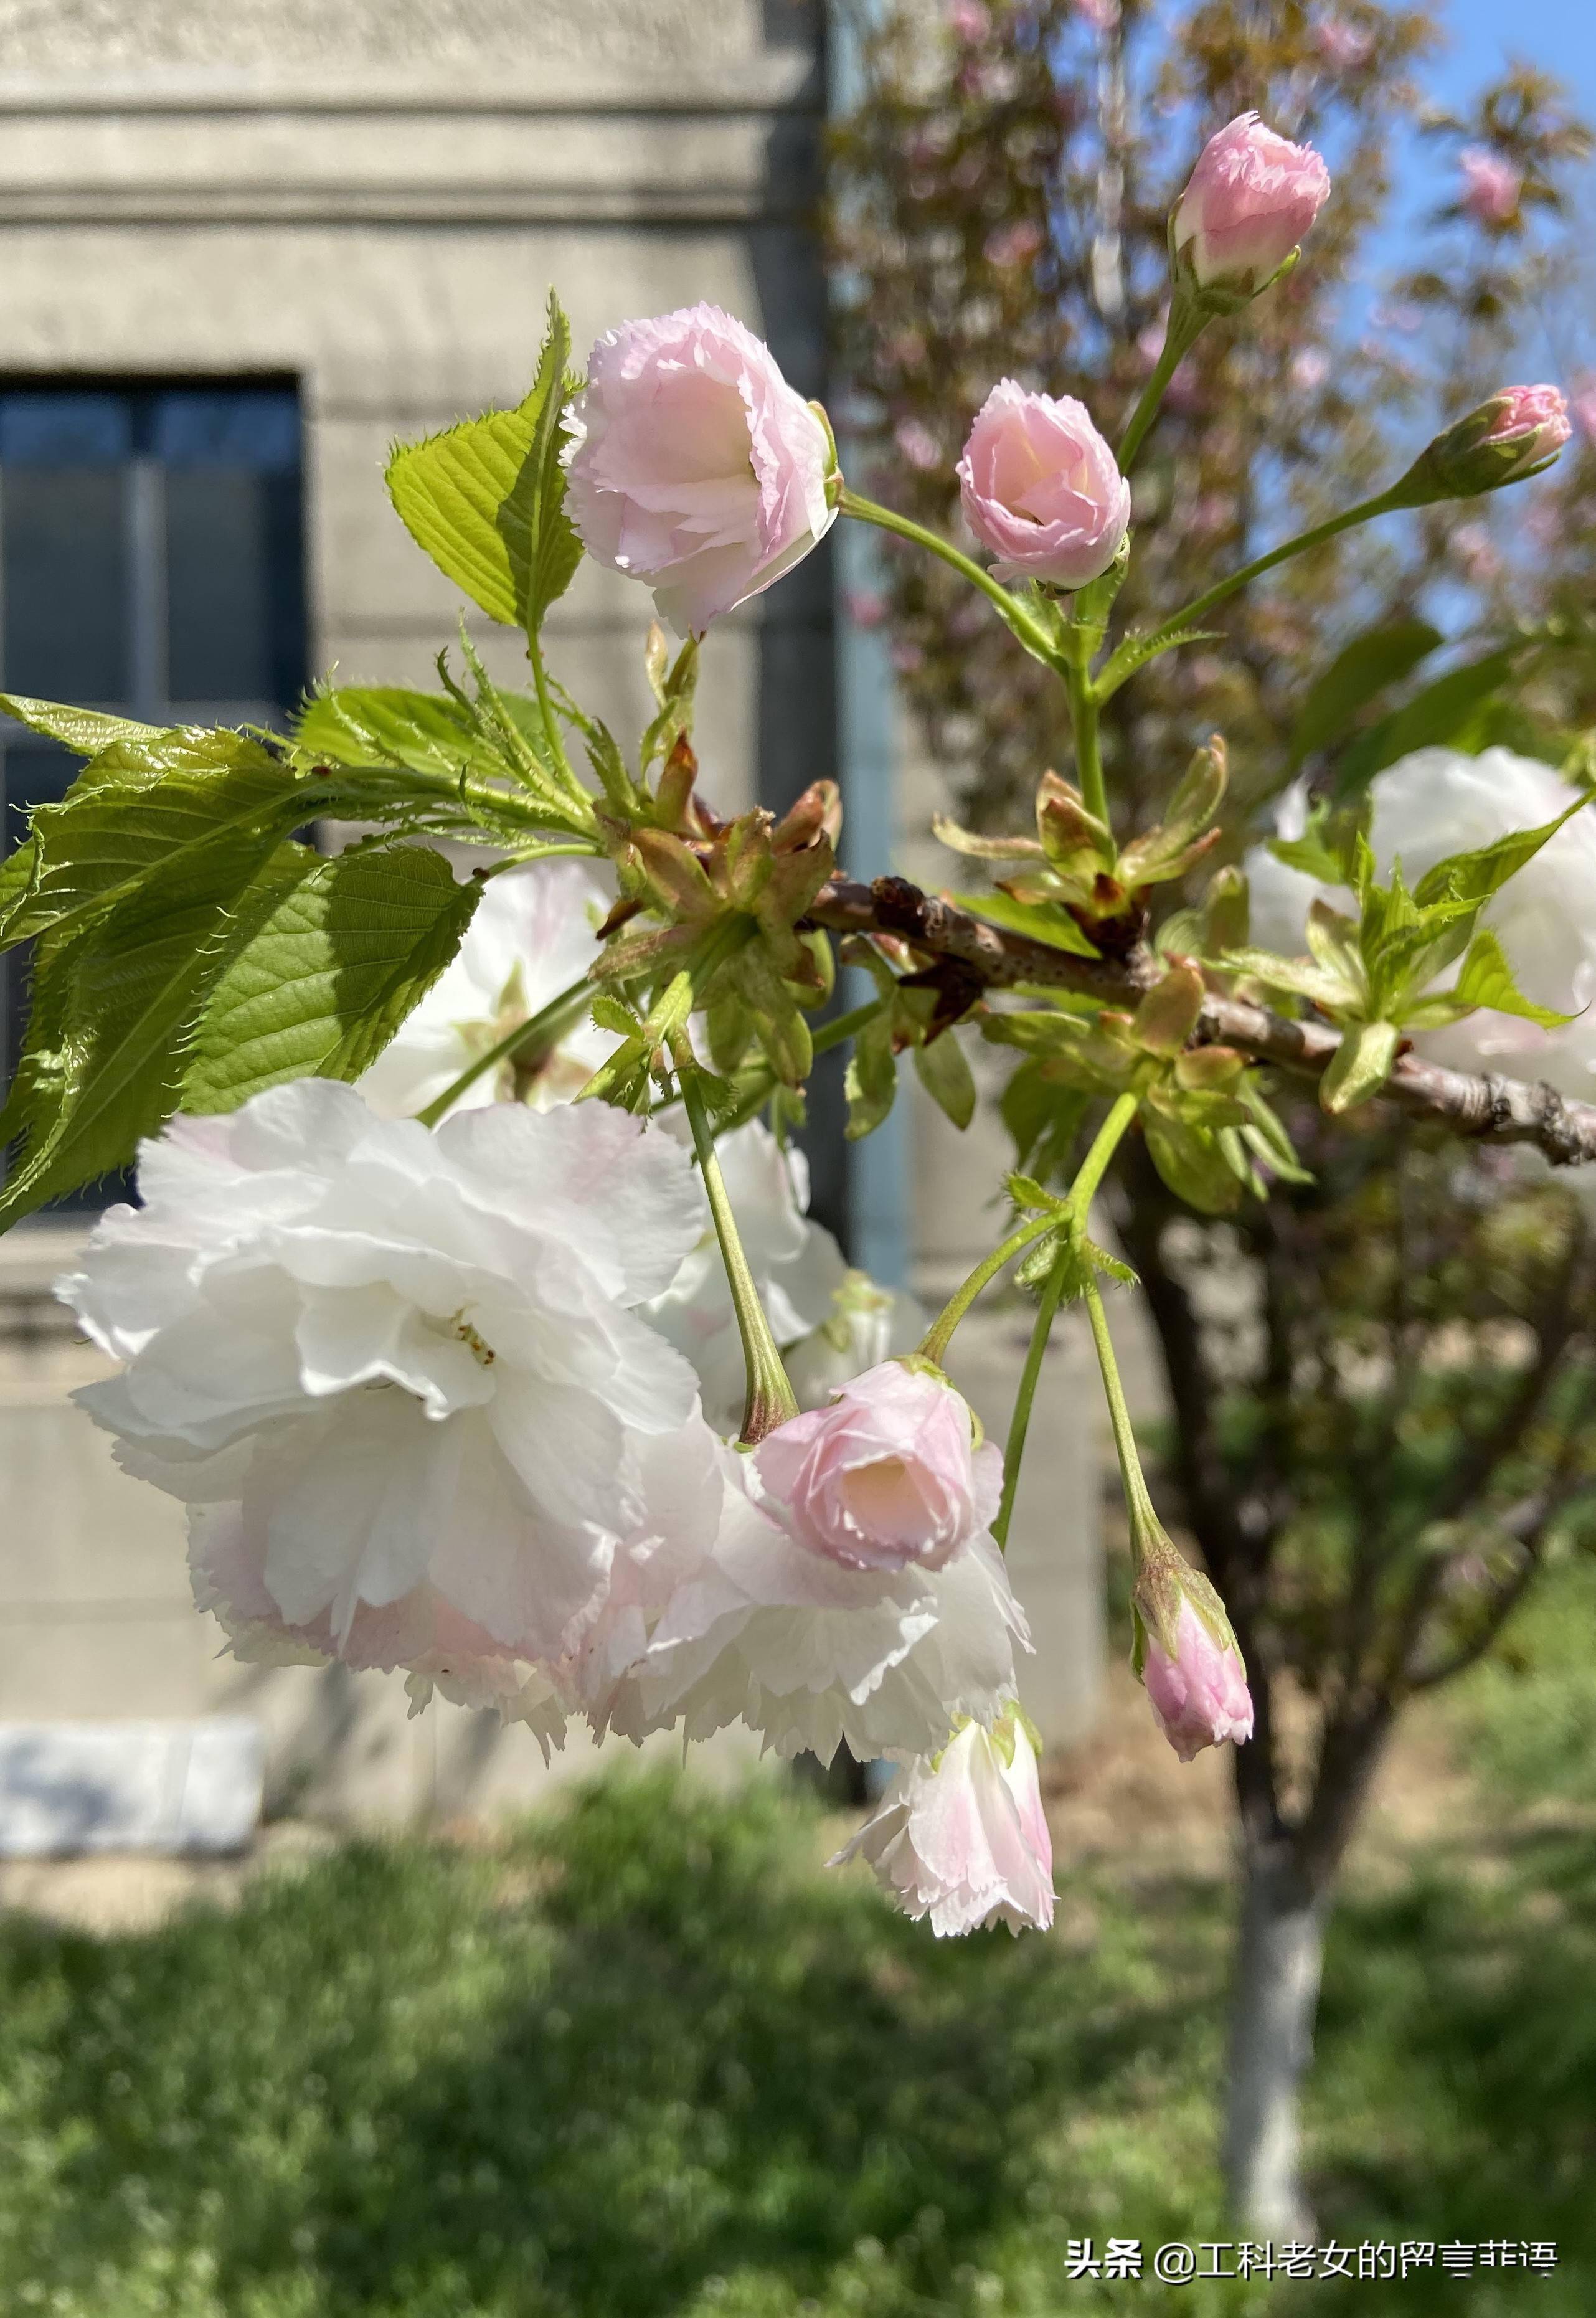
[1013, 245]
[919, 446]
[866, 607]
[1581, 406]
[968, 21]
[1344, 45]
[1491, 186]
[1309, 370]
[1477, 553]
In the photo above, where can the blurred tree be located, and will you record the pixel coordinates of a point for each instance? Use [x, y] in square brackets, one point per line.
[1385, 1384]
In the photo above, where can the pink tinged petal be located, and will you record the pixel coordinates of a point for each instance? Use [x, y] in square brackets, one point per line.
[964, 1841]
[1250, 200]
[1041, 488]
[883, 1477]
[1200, 1695]
[350, 1509]
[694, 464]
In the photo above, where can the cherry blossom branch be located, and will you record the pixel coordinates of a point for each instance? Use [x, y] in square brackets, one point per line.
[1487, 1106]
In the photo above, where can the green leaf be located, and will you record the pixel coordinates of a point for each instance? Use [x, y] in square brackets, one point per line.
[1362, 1065]
[353, 944]
[1475, 876]
[1487, 979]
[1043, 921]
[944, 1071]
[1434, 715]
[144, 806]
[1364, 667]
[389, 724]
[871, 1079]
[115, 1008]
[1191, 1163]
[85, 731]
[486, 498]
[16, 881]
[1136, 651]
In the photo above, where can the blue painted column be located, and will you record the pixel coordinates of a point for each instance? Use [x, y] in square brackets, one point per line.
[880, 1230]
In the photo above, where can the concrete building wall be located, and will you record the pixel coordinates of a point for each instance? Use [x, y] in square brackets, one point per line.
[376, 196]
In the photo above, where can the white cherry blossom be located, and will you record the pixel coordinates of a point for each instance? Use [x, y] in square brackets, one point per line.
[409, 1360]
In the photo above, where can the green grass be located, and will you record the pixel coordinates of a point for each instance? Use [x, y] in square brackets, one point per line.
[652, 2060]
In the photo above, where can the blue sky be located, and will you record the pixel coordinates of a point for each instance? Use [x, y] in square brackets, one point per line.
[1483, 37]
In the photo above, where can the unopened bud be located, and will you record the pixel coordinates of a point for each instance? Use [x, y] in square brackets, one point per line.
[1515, 433]
[1186, 1654]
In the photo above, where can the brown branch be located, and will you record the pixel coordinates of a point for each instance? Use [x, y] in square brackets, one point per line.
[1488, 1108]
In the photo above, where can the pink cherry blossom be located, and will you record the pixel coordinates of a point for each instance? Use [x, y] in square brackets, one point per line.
[1491, 186]
[968, 21]
[886, 1475]
[1040, 488]
[1200, 1695]
[963, 1838]
[694, 466]
[1251, 198]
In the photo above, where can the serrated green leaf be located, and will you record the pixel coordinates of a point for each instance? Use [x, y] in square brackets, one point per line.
[1475, 876]
[355, 943]
[115, 1008]
[1300, 975]
[1487, 979]
[1364, 667]
[486, 498]
[1043, 921]
[16, 881]
[85, 731]
[144, 806]
[391, 724]
[944, 1071]
[1136, 652]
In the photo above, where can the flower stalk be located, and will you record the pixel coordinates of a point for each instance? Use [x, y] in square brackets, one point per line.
[771, 1401]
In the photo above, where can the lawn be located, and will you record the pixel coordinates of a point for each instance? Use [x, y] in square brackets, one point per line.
[648, 2059]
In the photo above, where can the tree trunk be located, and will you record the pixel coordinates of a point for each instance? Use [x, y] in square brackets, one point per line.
[1279, 1957]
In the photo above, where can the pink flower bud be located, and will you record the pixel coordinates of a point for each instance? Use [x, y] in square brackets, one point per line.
[1535, 416]
[1491, 186]
[1199, 1694]
[963, 1838]
[1511, 435]
[694, 465]
[1041, 490]
[887, 1474]
[1251, 198]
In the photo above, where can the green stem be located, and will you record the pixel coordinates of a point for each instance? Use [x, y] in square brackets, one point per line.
[1119, 1416]
[541, 1032]
[1069, 1213]
[555, 738]
[771, 1400]
[1089, 754]
[1109, 682]
[1185, 328]
[1019, 620]
[1082, 1194]
[1019, 1423]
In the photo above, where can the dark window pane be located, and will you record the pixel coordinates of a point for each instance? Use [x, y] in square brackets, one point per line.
[64, 428]
[219, 644]
[66, 582]
[251, 426]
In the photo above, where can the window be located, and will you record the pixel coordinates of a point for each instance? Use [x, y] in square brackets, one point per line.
[152, 563]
